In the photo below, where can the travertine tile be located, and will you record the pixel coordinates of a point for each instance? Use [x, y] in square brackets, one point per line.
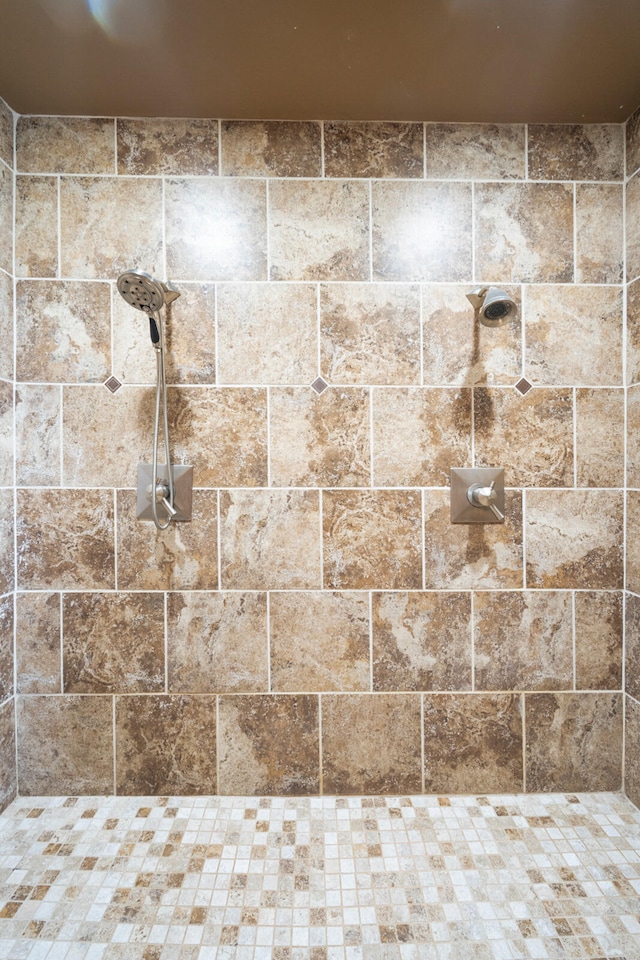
[6, 541]
[373, 149]
[319, 641]
[574, 539]
[36, 225]
[6, 326]
[101, 642]
[6, 434]
[633, 541]
[6, 219]
[633, 227]
[573, 741]
[459, 350]
[270, 539]
[6, 647]
[419, 433]
[600, 438]
[472, 556]
[599, 233]
[7, 753]
[524, 232]
[587, 317]
[472, 742]
[632, 646]
[633, 441]
[183, 557]
[372, 539]
[217, 642]
[109, 225]
[63, 331]
[598, 629]
[38, 650]
[165, 745]
[170, 147]
[37, 435]
[267, 333]
[523, 640]
[81, 729]
[421, 641]
[370, 333]
[632, 138]
[319, 440]
[65, 145]
[633, 332]
[572, 151]
[476, 151]
[268, 745]
[319, 230]
[6, 134]
[216, 229]
[632, 751]
[65, 539]
[531, 435]
[371, 744]
[421, 231]
[271, 149]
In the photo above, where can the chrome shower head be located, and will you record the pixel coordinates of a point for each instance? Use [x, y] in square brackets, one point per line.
[144, 292]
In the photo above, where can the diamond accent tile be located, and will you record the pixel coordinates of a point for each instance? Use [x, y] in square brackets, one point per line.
[523, 386]
[112, 384]
[319, 385]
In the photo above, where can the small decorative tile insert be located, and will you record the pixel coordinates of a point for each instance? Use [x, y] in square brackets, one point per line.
[523, 386]
[112, 384]
[319, 385]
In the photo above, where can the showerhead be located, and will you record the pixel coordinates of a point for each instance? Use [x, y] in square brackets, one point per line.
[493, 306]
[144, 292]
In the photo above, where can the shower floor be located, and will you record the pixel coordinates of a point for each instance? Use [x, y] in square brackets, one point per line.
[198, 878]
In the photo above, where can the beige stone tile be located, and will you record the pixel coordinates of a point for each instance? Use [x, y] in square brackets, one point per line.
[374, 149]
[372, 539]
[6, 219]
[590, 319]
[109, 225]
[37, 435]
[573, 741]
[268, 745]
[421, 231]
[476, 151]
[598, 629]
[273, 148]
[633, 227]
[7, 551]
[524, 232]
[632, 144]
[523, 640]
[6, 434]
[36, 230]
[531, 435]
[633, 332]
[633, 541]
[270, 539]
[632, 751]
[6, 326]
[319, 641]
[574, 539]
[65, 540]
[168, 146]
[572, 151]
[319, 440]
[216, 229]
[267, 333]
[319, 230]
[459, 350]
[65, 145]
[472, 743]
[38, 650]
[370, 333]
[217, 642]
[461, 556]
[165, 745]
[599, 438]
[599, 233]
[81, 729]
[371, 743]
[6, 647]
[6, 134]
[421, 641]
[632, 645]
[419, 433]
[7, 754]
[183, 557]
[101, 634]
[63, 332]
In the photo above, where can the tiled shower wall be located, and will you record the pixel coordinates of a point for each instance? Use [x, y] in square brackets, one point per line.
[320, 625]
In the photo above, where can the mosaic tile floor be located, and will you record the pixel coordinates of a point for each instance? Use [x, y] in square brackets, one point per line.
[448, 878]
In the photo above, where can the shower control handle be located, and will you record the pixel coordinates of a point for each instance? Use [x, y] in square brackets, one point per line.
[481, 496]
[162, 496]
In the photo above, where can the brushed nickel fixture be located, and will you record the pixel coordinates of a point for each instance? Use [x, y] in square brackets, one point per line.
[493, 306]
[477, 495]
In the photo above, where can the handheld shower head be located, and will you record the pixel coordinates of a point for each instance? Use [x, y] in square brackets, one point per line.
[144, 292]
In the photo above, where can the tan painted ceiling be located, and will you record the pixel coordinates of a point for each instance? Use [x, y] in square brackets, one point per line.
[458, 60]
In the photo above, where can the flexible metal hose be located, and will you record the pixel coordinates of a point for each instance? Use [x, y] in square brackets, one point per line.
[161, 395]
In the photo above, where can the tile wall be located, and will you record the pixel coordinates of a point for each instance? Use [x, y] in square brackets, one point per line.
[320, 625]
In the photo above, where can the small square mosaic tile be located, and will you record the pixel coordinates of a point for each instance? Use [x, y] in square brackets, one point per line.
[413, 878]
